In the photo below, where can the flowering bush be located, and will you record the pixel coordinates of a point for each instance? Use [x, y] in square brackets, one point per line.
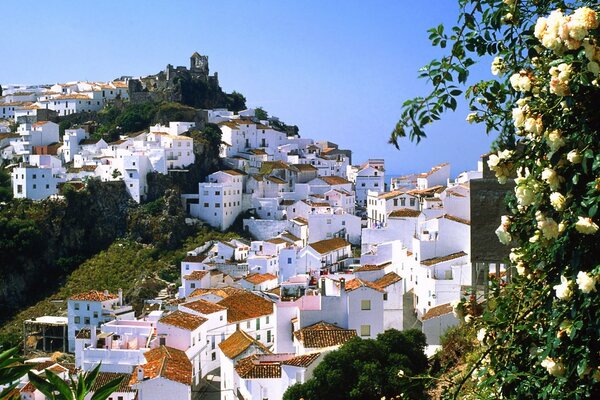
[539, 336]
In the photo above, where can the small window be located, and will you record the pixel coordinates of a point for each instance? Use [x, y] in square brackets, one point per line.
[412, 202]
[217, 205]
[86, 320]
[365, 304]
[214, 356]
[217, 193]
[76, 306]
[95, 314]
[362, 185]
[34, 186]
[269, 337]
[206, 205]
[385, 297]
[77, 320]
[193, 285]
[365, 330]
[289, 260]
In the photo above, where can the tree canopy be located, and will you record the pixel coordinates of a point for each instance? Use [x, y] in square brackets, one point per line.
[538, 337]
[368, 369]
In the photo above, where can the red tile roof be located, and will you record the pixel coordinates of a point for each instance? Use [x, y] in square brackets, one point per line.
[357, 283]
[334, 180]
[204, 307]
[104, 377]
[252, 368]
[303, 360]
[365, 268]
[245, 306]
[195, 275]
[405, 212]
[168, 363]
[94, 295]
[183, 320]
[329, 245]
[437, 260]
[323, 334]
[437, 311]
[257, 279]
[387, 280]
[238, 342]
[456, 219]
[197, 259]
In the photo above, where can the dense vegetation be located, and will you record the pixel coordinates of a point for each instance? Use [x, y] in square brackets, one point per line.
[369, 369]
[538, 336]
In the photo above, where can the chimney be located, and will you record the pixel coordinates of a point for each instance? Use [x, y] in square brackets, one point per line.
[140, 373]
[323, 292]
[120, 297]
[93, 336]
[342, 284]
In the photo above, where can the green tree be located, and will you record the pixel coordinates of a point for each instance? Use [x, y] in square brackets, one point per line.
[11, 370]
[236, 101]
[261, 114]
[5, 186]
[538, 337]
[369, 369]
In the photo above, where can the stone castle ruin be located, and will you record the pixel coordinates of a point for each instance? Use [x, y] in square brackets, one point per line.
[164, 85]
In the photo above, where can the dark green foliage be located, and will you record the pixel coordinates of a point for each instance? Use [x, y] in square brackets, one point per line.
[11, 370]
[236, 101]
[41, 241]
[369, 369]
[5, 186]
[261, 114]
[54, 388]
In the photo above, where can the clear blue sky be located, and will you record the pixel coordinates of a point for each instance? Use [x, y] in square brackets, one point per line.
[338, 69]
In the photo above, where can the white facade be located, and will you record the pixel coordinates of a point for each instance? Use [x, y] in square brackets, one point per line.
[368, 179]
[220, 199]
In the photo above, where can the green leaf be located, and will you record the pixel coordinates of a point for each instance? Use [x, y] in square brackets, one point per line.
[42, 385]
[59, 385]
[593, 210]
[106, 390]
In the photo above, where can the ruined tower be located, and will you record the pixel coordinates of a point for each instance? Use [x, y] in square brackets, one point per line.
[199, 66]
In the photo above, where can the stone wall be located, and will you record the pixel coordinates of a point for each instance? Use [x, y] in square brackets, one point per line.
[264, 229]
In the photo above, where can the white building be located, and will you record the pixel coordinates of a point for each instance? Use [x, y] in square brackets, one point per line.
[368, 178]
[220, 199]
[35, 183]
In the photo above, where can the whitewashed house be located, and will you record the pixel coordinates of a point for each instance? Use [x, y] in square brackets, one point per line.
[35, 183]
[220, 199]
[368, 178]
[323, 256]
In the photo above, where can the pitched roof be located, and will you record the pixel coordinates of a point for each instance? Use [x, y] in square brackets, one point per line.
[223, 292]
[334, 180]
[194, 258]
[246, 305]
[456, 219]
[195, 275]
[104, 377]
[168, 363]
[238, 342]
[328, 245]
[183, 320]
[365, 268]
[404, 212]
[94, 295]
[276, 180]
[323, 334]
[252, 368]
[433, 169]
[387, 280]
[300, 221]
[303, 360]
[390, 195]
[305, 167]
[259, 152]
[233, 172]
[437, 311]
[257, 279]
[437, 260]
[204, 307]
[358, 283]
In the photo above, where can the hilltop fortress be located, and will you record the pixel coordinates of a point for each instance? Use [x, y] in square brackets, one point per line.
[166, 85]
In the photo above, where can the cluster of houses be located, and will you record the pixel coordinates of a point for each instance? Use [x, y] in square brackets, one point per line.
[336, 255]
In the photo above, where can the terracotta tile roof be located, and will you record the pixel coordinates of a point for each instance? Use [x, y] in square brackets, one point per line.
[437, 311]
[105, 377]
[379, 267]
[323, 334]
[427, 192]
[221, 292]
[39, 123]
[267, 166]
[434, 169]
[183, 320]
[404, 212]
[233, 172]
[120, 84]
[238, 342]
[245, 306]
[437, 260]
[46, 364]
[85, 142]
[276, 180]
[291, 237]
[195, 275]
[204, 307]
[357, 283]
[57, 369]
[456, 219]
[168, 363]
[300, 221]
[28, 388]
[257, 177]
[390, 195]
[257, 279]
[328, 245]
[334, 180]
[387, 280]
[305, 167]
[258, 152]
[252, 368]
[303, 360]
[94, 295]
[276, 241]
[287, 202]
[196, 259]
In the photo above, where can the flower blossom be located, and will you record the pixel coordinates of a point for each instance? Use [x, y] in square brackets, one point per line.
[521, 81]
[554, 367]
[586, 226]
[498, 66]
[551, 178]
[574, 157]
[586, 282]
[555, 140]
[557, 201]
[563, 291]
[502, 231]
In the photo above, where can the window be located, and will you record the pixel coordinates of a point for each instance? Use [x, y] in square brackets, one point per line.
[19, 188]
[365, 330]
[34, 176]
[162, 341]
[362, 185]
[258, 337]
[76, 306]
[77, 320]
[376, 184]
[385, 297]
[289, 260]
[412, 202]
[267, 319]
[403, 201]
[217, 205]
[47, 186]
[217, 193]
[248, 325]
[257, 323]
[193, 285]
[95, 314]
[86, 320]
[328, 222]
[365, 304]
[206, 205]
[343, 223]
[34, 186]
[213, 356]
[205, 192]
[395, 202]
[268, 336]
